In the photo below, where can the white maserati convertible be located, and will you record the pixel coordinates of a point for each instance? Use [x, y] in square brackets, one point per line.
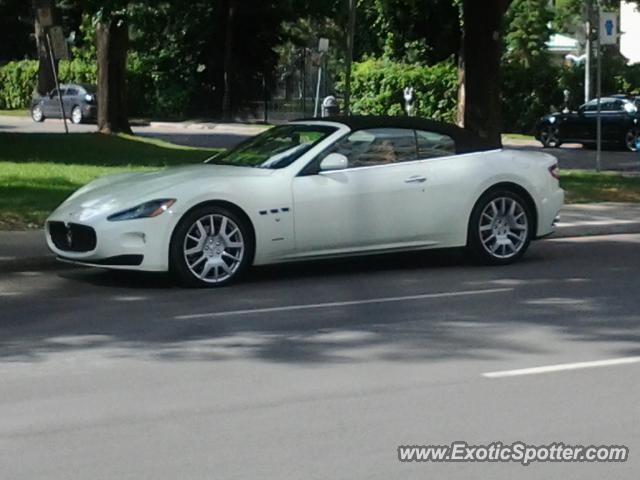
[314, 189]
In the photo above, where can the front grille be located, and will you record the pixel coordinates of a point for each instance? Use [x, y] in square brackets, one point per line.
[72, 237]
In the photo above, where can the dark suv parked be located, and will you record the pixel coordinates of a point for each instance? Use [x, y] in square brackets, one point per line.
[620, 124]
[79, 104]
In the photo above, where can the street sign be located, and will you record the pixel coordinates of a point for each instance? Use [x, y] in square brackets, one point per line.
[608, 28]
[45, 16]
[323, 45]
[58, 43]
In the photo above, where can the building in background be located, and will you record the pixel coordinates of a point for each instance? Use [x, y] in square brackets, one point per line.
[630, 31]
[563, 48]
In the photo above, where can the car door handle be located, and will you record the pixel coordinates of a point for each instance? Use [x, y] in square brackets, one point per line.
[416, 179]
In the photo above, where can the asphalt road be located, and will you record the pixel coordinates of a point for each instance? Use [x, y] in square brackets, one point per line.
[321, 370]
[194, 137]
[575, 156]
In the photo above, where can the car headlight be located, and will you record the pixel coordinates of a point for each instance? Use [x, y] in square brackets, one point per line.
[146, 210]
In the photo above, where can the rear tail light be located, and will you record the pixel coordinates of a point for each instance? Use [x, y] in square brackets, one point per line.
[555, 171]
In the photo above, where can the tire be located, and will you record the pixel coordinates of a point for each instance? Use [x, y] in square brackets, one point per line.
[76, 115]
[36, 114]
[549, 136]
[497, 234]
[216, 259]
[631, 139]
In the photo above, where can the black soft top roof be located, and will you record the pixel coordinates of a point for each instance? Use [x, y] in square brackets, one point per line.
[466, 142]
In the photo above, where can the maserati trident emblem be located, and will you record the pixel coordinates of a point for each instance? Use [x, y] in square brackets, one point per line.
[69, 237]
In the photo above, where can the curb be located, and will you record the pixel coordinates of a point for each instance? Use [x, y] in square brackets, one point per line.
[230, 128]
[596, 230]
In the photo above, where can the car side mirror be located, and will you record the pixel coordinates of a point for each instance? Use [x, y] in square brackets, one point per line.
[334, 161]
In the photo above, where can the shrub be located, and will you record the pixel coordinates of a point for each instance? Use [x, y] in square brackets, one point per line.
[17, 82]
[377, 87]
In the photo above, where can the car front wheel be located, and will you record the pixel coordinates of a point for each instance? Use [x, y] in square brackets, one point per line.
[76, 115]
[500, 228]
[211, 247]
[36, 114]
[549, 136]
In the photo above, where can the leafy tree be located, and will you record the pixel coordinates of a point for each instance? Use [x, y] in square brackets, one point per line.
[527, 31]
[425, 31]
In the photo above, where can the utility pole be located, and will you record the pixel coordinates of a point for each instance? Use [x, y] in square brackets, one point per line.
[589, 51]
[599, 93]
[350, 38]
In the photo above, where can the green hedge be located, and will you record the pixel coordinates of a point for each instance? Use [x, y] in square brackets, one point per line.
[17, 81]
[377, 88]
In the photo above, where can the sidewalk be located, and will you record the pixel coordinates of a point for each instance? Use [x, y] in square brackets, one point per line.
[21, 251]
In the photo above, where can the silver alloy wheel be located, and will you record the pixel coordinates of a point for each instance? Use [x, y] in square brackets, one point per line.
[36, 114]
[631, 139]
[76, 115]
[504, 227]
[213, 248]
[549, 136]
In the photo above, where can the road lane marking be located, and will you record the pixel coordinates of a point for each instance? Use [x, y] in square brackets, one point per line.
[312, 306]
[562, 367]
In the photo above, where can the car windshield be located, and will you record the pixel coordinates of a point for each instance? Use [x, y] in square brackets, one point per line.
[278, 147]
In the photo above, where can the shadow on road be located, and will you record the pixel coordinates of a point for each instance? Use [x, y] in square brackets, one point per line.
[575, 291]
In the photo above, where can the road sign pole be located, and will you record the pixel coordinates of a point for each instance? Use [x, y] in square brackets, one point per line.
[56, 80]
[351, 27]
[599, 80]
[317, 104]
[589, 51]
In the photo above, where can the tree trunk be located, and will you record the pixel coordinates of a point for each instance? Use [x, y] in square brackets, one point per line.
[112, 39]
[480, 75]
[228, 59]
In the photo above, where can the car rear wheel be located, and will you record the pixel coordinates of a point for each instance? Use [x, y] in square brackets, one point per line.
[500, 228]
[36, 114]
[211, 247]
[549, 136]
[631, 139]
[76, 115]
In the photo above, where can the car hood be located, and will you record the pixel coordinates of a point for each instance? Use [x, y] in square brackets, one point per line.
[120, 191]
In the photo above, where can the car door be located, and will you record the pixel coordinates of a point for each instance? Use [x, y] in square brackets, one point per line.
[52, 104]
[70, 100]
[377, 202]
[569, 125]
[616, 120]
[588, 126]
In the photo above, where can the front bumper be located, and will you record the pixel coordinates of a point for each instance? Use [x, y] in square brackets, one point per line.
[133, 245]
[89, 112]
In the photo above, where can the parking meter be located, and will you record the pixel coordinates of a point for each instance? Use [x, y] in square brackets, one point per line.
[408, 100]
[330, 106]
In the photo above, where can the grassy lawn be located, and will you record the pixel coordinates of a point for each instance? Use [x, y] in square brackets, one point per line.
[38, 171]
[516, 136]
[586, 187]
[14, 113]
